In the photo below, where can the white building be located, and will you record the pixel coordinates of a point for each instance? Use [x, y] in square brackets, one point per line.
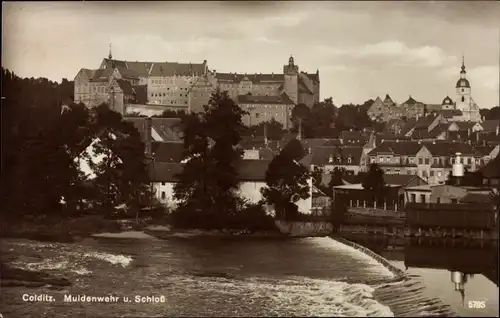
[252, 179]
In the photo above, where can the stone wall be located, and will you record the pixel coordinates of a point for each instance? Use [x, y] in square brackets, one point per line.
[304, 229]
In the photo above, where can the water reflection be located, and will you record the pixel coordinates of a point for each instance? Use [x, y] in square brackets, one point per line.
[461, 259]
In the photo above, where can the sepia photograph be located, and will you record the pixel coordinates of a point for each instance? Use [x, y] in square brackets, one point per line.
[250, 159]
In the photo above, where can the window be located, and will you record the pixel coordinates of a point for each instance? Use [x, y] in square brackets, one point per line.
[163, 183]
[432, 173]
[427, 161]
[256, 115]
[438, 200]
[163, 195]
[463, 98]
[349, 160]
[413, 197]
[439, 173]
[436, 160]
[422, 198]
[454, 201]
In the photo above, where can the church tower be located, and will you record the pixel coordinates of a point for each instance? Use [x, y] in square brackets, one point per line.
[291, 74]
[463, 90]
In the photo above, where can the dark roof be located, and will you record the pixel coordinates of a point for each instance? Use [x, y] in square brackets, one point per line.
[313, 142]
[353, 137]
[339, 155]
[141, 93]
[463, 82]
[140, 124]
[446, 148]
[492, 169]
[410, 101]
[303, 87]
[180, 69]
[447, 101]
[424, 122]
[388, 99]
[485, 150]
[254, 78]
[125, 86]
[410, 124]
[252, 170]
[250, 99]
[169, 129]
[400, 179]
[332, 142]
[128, 73]
[164, 172]
[448, 113]
[476, 198]
[405, 148]
[248, 170]
[101, 75]
[464, 125]
[167, 151]
[490, 125]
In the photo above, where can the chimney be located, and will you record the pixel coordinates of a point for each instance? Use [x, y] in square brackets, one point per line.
[148, 126]
[498, 130]
[310, 150]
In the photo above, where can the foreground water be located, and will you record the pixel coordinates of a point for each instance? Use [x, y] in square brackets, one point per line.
[211, 276]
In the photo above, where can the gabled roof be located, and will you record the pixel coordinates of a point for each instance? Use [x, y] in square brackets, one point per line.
[464, 125]
[404, 148]
[180, 69]
[490, 125]
[332, 142]
[313, 142]
[492, 169]
[449, 113]
[101, 75]
[125, 86]
[410, 101]
[140, 124]
[169, 129]
[446, 148]
[303, 87]
[485, 150]
[410, 124]
[354, 137]
[254, 78]
[339, 155]
[388, 99]
[167, 151]
[424, 122]
[141, 93]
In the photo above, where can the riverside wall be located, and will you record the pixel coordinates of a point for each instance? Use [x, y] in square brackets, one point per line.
[304, 229]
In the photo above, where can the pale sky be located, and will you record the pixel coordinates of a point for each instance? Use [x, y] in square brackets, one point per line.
[362, 49]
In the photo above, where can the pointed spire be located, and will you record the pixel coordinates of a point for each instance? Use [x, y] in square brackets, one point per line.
[463, 64]
[110, 56]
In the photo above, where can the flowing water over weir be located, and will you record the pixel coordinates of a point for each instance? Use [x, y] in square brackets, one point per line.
[202, 276]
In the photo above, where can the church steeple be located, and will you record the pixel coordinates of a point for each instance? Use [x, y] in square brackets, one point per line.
[110, 56]
[463, 72]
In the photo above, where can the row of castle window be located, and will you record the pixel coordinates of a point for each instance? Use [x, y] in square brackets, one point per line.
[257, 115]
[165, 81]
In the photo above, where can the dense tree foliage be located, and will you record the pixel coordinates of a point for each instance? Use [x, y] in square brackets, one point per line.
[272, 129]
[492, 113]
[374, 181]
[41, 141]
[207, 186]
[286, 182]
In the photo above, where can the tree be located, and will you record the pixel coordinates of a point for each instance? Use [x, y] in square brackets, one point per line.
[208, 183]
[337, 176]
[299, 112]
[286, 182]
[273, 129]
[172, 114]
[374, 181]
[121, 176]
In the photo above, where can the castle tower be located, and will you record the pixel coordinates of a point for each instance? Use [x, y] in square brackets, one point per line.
[291, 74]
[463, 90]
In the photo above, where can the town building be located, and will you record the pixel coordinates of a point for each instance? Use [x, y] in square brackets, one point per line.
[251, 174]
[463, 109]
[149, 88]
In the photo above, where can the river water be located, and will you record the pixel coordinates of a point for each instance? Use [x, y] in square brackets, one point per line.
[214, 276]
